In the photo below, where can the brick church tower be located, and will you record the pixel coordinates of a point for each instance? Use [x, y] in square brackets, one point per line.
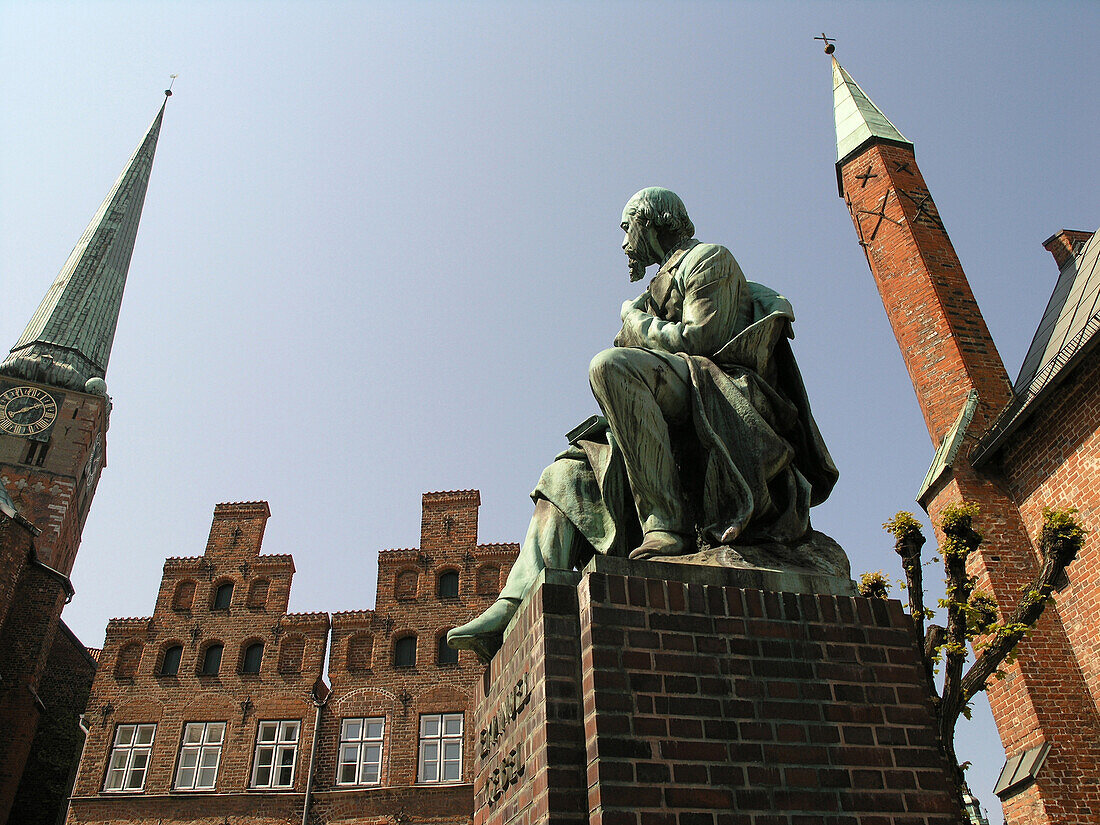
[1044, 708]
[54, 413]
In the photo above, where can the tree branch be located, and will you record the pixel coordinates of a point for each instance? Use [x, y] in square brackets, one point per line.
[1061, 538]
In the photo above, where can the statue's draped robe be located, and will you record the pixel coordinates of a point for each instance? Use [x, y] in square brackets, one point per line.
[756, 459]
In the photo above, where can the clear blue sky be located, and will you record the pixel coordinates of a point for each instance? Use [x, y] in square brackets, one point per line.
[381, 240]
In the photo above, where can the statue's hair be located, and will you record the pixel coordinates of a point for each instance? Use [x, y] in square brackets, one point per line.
[662, 208]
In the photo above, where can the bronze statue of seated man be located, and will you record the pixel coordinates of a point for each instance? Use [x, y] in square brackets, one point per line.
[708, 430]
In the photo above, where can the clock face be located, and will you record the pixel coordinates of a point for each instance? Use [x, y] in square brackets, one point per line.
[26, 411]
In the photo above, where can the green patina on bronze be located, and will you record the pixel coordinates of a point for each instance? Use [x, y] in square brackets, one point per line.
[709, 451]
[68, 340]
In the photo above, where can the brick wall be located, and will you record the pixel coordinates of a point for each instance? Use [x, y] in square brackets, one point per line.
[1054, 461]
[25, 641]
[948, 352]
[365, 680]
[708, 704]
[130, 687]
[57, 495]
[66, 683]
[943, 338]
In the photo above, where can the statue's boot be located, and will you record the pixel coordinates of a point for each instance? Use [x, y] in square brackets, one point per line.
[485, 634]
[662, 543]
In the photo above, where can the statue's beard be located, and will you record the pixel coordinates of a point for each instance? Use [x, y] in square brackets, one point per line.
[637, 269]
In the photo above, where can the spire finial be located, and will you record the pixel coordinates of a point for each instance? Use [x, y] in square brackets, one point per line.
[171, 82]
[829, 47]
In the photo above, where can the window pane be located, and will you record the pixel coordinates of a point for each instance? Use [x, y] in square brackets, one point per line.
[185, 777]
[451, 771]
[215, 731]
[347, 773]
[253, 656]
[290, 732]
[404, 654]
[445, 654]
[189, 758]
[352, 729]
[206, 777]
[145, 734]
[170, 666]
[192, 734]
[223, 596]
[372, 760]
[265, 757]
[429, 725]
[452, 750]
[263, 776]
[212, 660]
[448, 585]
[452, 724]
[374, 730]
[268, 730]
[125, 735]
[210, 757]
[286, 773]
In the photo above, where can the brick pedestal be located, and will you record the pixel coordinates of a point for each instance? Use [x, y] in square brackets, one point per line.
[718, 697]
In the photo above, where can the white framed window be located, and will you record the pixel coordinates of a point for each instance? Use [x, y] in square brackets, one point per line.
[200, 754]
[440, 748]
[361, 751]
[276, 752]
[129, 758]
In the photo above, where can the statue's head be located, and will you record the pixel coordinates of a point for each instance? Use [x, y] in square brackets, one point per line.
[655, 220]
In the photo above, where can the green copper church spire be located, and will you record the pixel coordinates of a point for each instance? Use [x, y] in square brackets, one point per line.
[858, 120]
[68, 340]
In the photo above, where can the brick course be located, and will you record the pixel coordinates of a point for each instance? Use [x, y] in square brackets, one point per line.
[1051, 692]
[708, 704]
[365, 681]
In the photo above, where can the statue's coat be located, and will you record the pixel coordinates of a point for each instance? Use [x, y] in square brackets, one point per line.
[760, 461]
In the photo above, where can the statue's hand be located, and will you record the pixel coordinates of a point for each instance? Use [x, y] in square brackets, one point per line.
[638, 303]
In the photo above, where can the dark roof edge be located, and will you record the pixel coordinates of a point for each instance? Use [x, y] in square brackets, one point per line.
[70, 591]
[859, 150]
[79, 644]
[1019, 411]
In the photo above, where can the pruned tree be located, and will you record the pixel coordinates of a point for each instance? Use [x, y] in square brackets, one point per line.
[973, 617]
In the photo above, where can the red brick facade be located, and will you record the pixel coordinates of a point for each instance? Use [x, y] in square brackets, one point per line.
[633, 698]
[421, 593]
[54, 490]
[1051, 692]
[52, 761]
[51, 484]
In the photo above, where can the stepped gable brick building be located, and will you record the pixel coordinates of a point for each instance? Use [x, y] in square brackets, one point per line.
[214, 694]
[215, 705]
[1013, 448]
[392, 665]
[54, 412]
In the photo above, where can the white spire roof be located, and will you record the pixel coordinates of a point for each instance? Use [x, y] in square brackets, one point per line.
[857, 118]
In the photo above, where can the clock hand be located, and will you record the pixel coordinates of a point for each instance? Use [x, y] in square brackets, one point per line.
[34, 403]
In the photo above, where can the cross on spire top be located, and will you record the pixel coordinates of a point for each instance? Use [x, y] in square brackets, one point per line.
[829, 47]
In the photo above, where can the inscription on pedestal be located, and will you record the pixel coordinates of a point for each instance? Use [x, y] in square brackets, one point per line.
[510, 766]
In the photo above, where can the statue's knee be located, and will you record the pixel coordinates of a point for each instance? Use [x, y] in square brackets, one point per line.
[609, 364]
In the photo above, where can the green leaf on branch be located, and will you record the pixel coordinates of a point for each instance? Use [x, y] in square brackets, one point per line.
[874, 585]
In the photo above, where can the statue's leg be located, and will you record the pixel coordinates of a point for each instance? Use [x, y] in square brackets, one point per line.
[550, 543]
[640, 392]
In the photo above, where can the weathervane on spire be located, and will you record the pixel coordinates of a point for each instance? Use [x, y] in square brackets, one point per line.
[829, 47]
[168, 91]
